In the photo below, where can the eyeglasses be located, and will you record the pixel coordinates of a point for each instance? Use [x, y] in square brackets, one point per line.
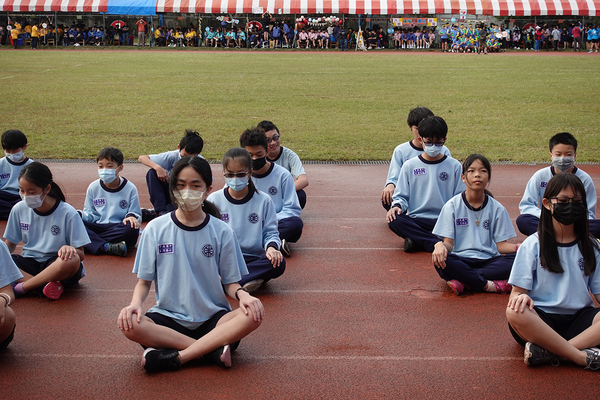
[440, 143]
[275, 137]
[236, 175]
[565, 200]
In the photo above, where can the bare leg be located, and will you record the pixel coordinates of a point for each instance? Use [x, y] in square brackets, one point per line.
[57, 271]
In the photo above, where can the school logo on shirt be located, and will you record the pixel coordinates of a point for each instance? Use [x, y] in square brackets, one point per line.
[462, 221]
[165, 248]
[418, 171]
[208, 251]
[24, 226]
[581, 263]
[443, 176]
[99, 202]
[253, 218]
[272, 190]
[486, 224]
[225, 217]
[543, 184]
[55, 230]
[123, 204]
[5, 175]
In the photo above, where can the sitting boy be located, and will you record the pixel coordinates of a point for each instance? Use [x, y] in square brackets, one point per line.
[425, 184]
[270, 178]
[404, 152]
[563, 149]
[286, 158]
[157, 177]
[111, 213]
[14, 143]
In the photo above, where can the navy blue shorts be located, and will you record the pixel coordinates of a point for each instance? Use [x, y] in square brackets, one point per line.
[566, 325]
[34, 267]
[207, 326]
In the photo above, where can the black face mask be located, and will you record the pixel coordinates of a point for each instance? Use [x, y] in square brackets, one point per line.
[259, 163]
[568, 213]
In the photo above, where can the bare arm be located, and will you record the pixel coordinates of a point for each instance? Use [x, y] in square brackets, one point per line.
[246, 301]
[507, 248]
[440, 252]
[301, 182]
[162, 174]
[124, 321]
[11, 246]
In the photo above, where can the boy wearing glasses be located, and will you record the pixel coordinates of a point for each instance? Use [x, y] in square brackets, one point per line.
[563, 149]
[425, 184]
[286, 158]
[404, 152]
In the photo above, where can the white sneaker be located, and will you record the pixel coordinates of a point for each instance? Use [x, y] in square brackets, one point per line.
[253, 286]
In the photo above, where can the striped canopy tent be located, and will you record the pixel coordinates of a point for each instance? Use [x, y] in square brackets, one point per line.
[352, 7]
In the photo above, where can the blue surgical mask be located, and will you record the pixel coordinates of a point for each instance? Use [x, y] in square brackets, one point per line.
[107, 175]
[14, 157]
[432, 150]
[237, 184]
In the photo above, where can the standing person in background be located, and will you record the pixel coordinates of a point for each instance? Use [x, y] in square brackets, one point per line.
[266, 21]
[343, 38]
[556, 35]
[141, 26]
[125, 35]
[576, 32]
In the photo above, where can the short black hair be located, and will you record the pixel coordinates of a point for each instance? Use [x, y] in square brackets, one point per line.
[13, 139]
[417, 114]
[110, 154]
[191, 142]
[433, 127]
[560, 138]
[267, 126]
[253, 137]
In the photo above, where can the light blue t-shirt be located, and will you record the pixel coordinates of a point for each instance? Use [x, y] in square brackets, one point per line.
[402, 153]
[425, 186]
[555, 293]
[44, 234]
[104, 205]
[290, 161]
[278, 183]
[167, 159]
[457, 221]
[534, 192]
[9, 272]
[189, 266]
[9, 174]
[253, 219]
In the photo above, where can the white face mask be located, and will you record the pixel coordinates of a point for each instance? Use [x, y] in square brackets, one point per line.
[432, 150]
[563, 164]
[15, 157]
[189, 200]
[107, 175]
[33, 201]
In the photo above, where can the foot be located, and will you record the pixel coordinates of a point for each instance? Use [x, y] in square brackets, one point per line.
[221, 356]
[456, 286]
[160, 360]
[592, 358]
[536, 355]
[252, 286]
[148, 214]
[502, 287]
[409, 245]
[53, 290]
[117, 249]
[285, 248]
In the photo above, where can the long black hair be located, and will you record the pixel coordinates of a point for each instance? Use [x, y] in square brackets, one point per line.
[548, 249]
[486, 164]
[243, 157]
[39, 175]
[202, 167]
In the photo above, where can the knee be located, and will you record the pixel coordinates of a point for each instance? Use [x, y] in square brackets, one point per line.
[517, 318]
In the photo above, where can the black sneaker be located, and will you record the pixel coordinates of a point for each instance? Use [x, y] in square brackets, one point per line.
[593, 358]
[285, 248]
[221, 356]
[161, 360]
[148, 214]
[410, 246]
[117, 249]
[536, 355]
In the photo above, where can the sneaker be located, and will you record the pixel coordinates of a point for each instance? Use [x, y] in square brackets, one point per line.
[593, 358]
[117, 249]
[409, 245]
[285, 248]
[53, 290]
[589, 51]
[160, 360]
[456, 286]
[252, 286]
[502, 287]
[148, 214]
[221, 356]
[536, 355]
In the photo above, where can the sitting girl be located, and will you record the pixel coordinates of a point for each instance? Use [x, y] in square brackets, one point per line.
[194, 259]
[251, 215]
[8, 273]
[475, 228]
[52, 233]
[550, 310]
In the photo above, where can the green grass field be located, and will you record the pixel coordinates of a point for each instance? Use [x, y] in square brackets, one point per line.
[328, 105]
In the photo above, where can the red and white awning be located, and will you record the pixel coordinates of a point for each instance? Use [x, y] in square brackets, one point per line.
[384, 7]
[54, 5]
[323, 7]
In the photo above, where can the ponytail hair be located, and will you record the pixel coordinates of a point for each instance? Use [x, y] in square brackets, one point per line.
[202, 167]
[39, 175]
[243, 157]
[486, 164]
